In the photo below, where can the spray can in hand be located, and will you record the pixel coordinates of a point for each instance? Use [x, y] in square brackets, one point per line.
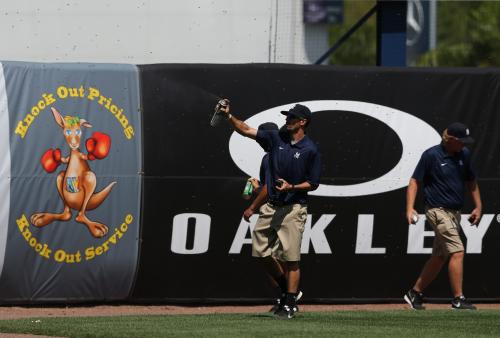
[218, 115]
[247, 192]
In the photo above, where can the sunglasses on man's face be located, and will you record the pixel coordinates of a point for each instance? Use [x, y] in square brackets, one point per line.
[291, 118]
[456, 140]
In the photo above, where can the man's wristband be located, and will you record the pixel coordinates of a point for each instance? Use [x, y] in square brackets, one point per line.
[229, 116]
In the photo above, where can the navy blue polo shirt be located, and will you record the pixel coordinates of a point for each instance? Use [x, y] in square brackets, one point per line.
[444, 176]
[295, 163]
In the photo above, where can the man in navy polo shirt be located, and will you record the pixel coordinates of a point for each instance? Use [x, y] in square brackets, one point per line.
[444, 171]
[294, 169]
[260, 187]
[278, 280]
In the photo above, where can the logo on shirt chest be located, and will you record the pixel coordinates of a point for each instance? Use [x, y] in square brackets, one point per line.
[452, 165]
[296, 155]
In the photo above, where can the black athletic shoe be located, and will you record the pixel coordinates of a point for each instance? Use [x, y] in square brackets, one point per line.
[460, 303]
[286, 312]
[414, 299]
[281, 300]
[276, 305]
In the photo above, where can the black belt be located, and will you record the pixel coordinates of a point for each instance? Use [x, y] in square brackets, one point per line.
[281, 203]
[278, 203]
[443, 208]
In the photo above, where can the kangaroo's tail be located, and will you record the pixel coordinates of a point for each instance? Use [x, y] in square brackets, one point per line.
[97, 198]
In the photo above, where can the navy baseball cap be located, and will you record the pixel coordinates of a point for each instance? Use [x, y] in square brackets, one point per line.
[299, 111]
[461, 132]
[266, 126]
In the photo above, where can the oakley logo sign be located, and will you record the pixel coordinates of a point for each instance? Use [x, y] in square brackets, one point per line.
[415, 136]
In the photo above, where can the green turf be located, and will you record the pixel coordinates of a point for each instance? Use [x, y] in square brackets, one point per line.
[434, 323]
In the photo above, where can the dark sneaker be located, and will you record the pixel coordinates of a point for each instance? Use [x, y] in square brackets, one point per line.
[281, 300]
[460, 303]
[276, 305]
[414, 299]
[286, 312]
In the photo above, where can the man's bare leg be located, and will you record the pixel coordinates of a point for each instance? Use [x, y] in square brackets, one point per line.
[429, 272]
[293, 277]
[455, 273]
[275, 272]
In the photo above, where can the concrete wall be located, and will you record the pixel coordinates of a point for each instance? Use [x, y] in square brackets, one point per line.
[154, 31]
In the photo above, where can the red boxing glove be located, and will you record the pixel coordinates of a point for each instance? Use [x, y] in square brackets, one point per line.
[51, 159]
[98, 146]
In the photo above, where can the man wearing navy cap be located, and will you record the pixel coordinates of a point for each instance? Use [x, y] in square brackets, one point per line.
[294, 169]
[444, 171]
[278, 278]
[260, 187]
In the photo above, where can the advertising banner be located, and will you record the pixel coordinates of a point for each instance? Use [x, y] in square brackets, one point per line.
[371, 126]
[70, 181]
[94, 209]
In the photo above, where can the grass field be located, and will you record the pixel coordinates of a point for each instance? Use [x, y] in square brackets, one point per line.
[432, 323]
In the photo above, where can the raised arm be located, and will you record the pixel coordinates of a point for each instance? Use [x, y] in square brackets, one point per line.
[239, 126]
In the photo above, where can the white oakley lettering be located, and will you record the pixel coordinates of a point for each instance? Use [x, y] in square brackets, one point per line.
[475, 234]
[415, 136]
[416, 237]
[315, 235]
[364, 236]
[180, 233]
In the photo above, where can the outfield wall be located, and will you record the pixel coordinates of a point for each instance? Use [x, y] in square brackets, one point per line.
[174, 216]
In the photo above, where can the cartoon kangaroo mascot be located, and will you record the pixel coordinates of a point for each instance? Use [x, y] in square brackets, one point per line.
[76, 185]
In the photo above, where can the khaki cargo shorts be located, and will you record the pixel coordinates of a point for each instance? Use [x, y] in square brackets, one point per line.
[278, 231]
[446, 225]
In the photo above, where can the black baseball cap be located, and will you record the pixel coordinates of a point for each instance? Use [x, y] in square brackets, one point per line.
[461, 132]
[299, 111]
[266, 126]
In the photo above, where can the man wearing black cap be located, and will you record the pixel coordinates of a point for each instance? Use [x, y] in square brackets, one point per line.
[278, 279]
[259, 187]
[294, 169]
[444, 171]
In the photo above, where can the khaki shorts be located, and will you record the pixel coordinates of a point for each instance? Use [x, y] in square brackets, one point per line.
[446, 224]
[278, 231]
